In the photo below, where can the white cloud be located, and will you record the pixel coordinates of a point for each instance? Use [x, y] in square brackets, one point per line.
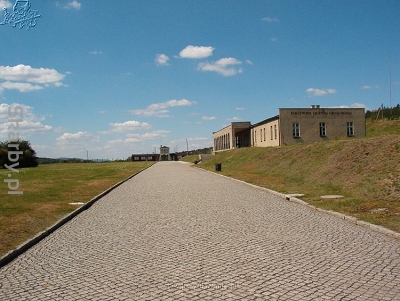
[30, 124]
[270, 19]
[249, 62]
[223, 66]
[21, 87]
[147, 136]
[5, 4]
[319, 92]
[96, 52]
[366, 87]
[72, 140]
[193, 142]
[161, 60]
[209, 118]
[128, 126]
[21, 76]
[29, 74]
[354, 105]
[172, 103]
[161, 109]
[274, 39]
[239, 109]
[150, 113]
[74, 5]
[196, 52]
[130, 139]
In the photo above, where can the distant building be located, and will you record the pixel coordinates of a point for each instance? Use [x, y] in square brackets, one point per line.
[292, 126]
[164, 153]
[145, 157]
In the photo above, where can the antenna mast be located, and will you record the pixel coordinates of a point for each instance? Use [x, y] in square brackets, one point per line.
[390, 89]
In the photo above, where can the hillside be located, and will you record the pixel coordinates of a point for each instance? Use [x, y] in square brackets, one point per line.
[366, 171]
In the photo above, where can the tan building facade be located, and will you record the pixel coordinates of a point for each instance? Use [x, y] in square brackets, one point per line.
[293, 125]
[235, 135]
[319, 124]
[266, 133]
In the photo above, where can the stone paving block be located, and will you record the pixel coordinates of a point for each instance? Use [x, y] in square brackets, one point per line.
[174, 232]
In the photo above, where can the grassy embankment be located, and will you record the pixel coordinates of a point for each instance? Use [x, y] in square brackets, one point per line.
[47, 192]
[366, 171]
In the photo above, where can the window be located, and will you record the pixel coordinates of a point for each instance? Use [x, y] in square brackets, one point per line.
[255, 137]
[276, 131]
[296, 130]
[264, 135]
[136, 158]
[322, 129]
[350, 129]
[272, 134]
[261, 135]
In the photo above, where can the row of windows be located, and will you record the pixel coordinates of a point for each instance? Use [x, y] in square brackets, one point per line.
[322, 129]
[263, 134]
[142, 158]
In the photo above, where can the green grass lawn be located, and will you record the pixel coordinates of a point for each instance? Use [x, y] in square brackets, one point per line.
[190, 158]
[47, 192]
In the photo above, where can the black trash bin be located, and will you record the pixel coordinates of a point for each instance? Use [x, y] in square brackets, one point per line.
[218, 167]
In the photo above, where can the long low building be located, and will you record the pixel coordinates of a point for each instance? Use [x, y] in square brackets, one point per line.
[293, 125]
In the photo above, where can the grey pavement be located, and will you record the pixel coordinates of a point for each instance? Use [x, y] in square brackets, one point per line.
[174, 232]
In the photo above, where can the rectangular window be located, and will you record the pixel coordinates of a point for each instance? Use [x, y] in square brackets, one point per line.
[136, 158]
[296, 130]
[255, 137]
[322, 129]
[350, 129]
[272, 136]
[261, 135]
[276, 132]
[264, 135]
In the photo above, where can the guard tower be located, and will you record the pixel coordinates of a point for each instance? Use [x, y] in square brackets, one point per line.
[164, 153]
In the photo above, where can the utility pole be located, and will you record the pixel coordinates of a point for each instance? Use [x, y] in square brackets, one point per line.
[390, 89]
[187, 148]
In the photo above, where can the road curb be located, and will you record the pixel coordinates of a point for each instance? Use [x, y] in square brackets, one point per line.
[10, 256]
[350, 219]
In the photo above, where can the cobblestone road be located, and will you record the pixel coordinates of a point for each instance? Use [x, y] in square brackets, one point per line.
[177, 233]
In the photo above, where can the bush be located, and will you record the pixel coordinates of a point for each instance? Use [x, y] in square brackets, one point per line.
[25, 159]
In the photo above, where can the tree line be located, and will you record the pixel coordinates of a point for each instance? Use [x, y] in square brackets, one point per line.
[19, 151]
[386, 112]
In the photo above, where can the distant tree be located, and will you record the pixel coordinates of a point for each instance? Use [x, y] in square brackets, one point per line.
[26, 154]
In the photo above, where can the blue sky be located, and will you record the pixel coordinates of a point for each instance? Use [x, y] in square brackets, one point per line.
[113, 78]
